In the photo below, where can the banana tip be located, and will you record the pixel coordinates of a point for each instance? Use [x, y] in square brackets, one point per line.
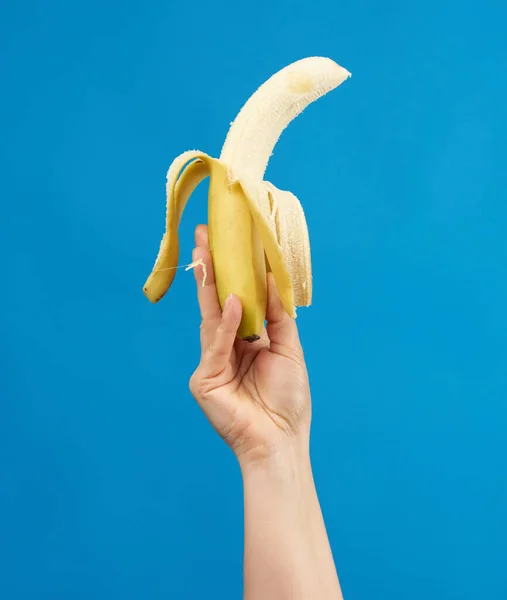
[251, 338]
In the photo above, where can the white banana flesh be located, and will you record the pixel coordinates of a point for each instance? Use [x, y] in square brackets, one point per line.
[251, 222]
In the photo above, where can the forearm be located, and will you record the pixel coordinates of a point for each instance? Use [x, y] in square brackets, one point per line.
[287, 552]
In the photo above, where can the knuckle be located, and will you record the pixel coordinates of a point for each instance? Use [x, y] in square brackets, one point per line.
[194, 383]
[199, 385]
[220, 330]
[215, 343]
[221, 342]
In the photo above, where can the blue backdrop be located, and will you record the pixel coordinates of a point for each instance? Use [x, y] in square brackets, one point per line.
[112, 484]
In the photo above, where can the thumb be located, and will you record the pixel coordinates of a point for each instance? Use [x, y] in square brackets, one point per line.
[280, 327]
[215, 358]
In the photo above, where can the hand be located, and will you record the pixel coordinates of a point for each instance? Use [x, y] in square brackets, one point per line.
[256, 395]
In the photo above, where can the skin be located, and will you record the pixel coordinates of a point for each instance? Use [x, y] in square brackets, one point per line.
[257, 397]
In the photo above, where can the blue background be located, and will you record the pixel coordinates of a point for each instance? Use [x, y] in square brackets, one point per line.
[112, 483]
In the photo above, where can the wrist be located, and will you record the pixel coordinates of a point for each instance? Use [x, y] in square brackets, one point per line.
[280, 461]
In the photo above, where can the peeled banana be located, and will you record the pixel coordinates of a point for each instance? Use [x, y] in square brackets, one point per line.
[252, 225]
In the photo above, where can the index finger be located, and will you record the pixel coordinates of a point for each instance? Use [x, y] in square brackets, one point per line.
[209, 305]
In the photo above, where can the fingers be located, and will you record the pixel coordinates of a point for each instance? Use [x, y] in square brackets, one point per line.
[207, 296]
[201, 236]
[217, 356]
[281, 329]
[218, 331]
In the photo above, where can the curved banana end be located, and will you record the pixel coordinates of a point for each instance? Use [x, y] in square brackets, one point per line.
[261, 121]
[179, 188]
[315, 75]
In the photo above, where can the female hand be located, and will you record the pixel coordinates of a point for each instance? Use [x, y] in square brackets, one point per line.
[256, 395]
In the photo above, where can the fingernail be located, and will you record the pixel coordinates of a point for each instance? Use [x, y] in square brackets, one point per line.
[227, 301]
[194, 254]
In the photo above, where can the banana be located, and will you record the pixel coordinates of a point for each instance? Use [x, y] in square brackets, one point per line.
[253, 226]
